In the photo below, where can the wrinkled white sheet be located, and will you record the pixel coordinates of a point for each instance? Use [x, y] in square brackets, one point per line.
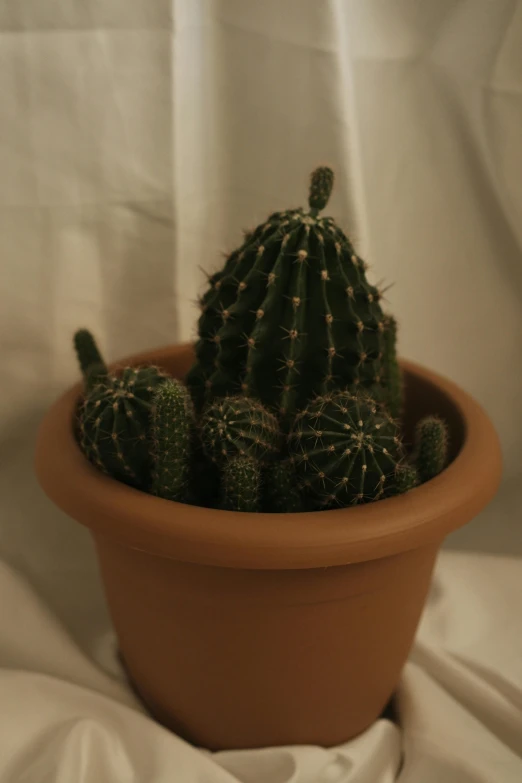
[69, 717]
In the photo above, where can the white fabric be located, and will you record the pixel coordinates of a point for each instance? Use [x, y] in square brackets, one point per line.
[137, 137]
[68, 717]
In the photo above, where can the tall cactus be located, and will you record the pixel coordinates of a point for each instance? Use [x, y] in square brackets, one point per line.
[291, 315]
[172, 435]
[114, 424]
[346, 449]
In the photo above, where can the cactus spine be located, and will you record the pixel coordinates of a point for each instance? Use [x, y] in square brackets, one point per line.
[431, 438]
[172, 428]
[290, 315]
[346, 448]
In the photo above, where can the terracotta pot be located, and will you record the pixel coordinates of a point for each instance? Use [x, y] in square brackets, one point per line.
[247, 630]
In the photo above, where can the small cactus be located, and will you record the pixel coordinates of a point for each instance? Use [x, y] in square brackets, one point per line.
[406, 478]
[346, 448]
[431, 455]
[114, 424]
[239, 427]
[321, 184]
[292, 315]
[281, 488]
[239, 434]
[241, 485]
[171, 431]
[394, 395]
[91, 362]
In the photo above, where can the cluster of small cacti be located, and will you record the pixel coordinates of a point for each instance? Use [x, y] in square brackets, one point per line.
[295, 399]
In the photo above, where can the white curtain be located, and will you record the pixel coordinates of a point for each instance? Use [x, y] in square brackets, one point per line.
[137, 139]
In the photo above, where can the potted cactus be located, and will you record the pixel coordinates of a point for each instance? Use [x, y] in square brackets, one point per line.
[268, 504]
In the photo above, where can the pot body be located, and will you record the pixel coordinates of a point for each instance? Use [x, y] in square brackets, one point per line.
[239, 658]
[250, 630]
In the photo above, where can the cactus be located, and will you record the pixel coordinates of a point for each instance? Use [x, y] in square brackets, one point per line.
[91, 362]
[171, 430]
[239, 434]
[281, 488]
[241, 484]
[346, 448]
[94, 375]
[392, 372]
[291, 315]
[239, 427]
[114, 424]
[431, 455]
[406, 478]
[321, 184]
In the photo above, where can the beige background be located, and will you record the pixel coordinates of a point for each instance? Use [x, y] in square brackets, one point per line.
[137, 137]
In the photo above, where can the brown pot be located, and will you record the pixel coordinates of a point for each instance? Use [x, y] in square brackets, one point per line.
[248, 630]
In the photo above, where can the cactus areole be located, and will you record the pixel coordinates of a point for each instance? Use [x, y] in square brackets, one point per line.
[291, 315]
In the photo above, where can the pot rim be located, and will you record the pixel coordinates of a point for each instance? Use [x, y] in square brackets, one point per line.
[234, 539]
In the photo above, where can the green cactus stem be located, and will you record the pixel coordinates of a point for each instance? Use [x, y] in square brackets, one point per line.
[431, 455]
[241, 484]
[91, 362]
[94, 375]
[394, 396]
[346, 448]
[114, 424]
[281, 488]
[171, 434]
[321, 184]
[239, 427]
[291, 315]
[406, 478]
